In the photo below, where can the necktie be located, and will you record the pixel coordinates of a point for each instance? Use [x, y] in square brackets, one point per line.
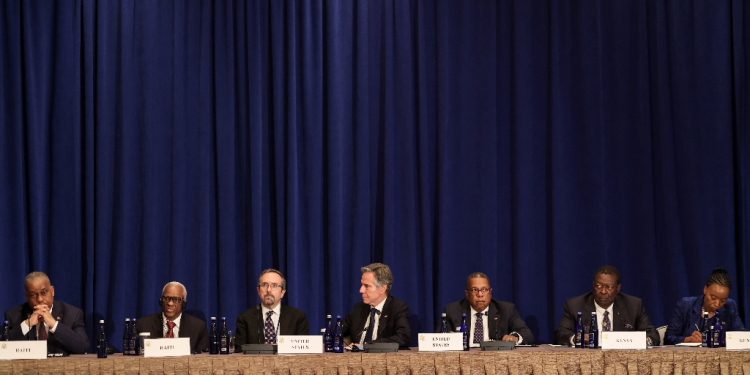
[479, 329]
[41, 332]
[371, 327]
[270, 331]
[170, 331]
[606, 325]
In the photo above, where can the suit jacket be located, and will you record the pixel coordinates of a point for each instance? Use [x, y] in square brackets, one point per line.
[190, 326]
[503, 318]
[250, 325]
[628, 315]
[688, 313]
[69, 337]
[393, 325]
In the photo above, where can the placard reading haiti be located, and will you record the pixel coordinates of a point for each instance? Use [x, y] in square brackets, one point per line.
[624, 340]
[737, 340]
[440, 342]
[23, 349]
[300, 344]
[176, 347]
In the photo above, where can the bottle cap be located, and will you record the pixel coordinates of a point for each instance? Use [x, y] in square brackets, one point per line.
[328, 316]
[443, 315]
[213, 318]
[101, 321]
[338, 316]
[127, 319]
[146, 334]
[223, 318]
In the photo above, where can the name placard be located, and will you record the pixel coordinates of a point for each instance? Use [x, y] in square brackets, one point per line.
[624, 340]
[23, 349]
[176, 347]
[300, 344]
[440, 342]
[738, 340]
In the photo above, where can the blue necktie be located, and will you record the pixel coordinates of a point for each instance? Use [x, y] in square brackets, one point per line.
[371, 327]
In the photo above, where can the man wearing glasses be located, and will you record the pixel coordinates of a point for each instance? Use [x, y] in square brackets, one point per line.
[171, 322]
[486, 318]
[615, 311]
[43, 318]
[264, 322]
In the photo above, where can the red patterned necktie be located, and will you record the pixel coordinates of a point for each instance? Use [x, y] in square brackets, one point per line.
[41, 331]
[170, 332]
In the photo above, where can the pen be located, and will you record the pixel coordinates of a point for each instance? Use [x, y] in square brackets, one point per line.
[696, 327]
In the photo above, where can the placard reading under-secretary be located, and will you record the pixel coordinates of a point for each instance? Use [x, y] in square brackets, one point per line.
[440, 342]
[23, 349]
[300, 344]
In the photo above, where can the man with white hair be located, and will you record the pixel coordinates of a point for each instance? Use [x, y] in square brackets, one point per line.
[43, 318]
[171, 322]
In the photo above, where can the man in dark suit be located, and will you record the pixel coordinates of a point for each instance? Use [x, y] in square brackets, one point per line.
[171, 322]
[499, 320]
[264, 322]
[615, 311]
[43, 318]
[380, 317]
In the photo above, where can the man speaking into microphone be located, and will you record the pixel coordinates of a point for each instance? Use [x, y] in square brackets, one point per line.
[486, 318]
[43, 318]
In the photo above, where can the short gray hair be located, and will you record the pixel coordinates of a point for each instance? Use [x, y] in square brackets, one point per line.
[175, 283]
[477, 275]
[382, 275]
[283, 279]
[34, 276]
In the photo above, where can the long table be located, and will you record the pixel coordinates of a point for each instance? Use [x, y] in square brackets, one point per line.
[544, 360]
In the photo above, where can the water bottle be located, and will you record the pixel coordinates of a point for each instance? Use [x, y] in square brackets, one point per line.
[593, 332]
[338, 336]
[444, 324]
[706, 330]
[134, 344]
[126, 338]
[328, 336]
[465, 331]
[723, 338]
[213, 338]
[224, 337]
[101, 344]
[716, 332]
[579, 343]
[5, 334]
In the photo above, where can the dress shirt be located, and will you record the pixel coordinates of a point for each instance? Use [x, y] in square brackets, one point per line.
[175, 330]
[600, 318]
[25, 327]
[485, 326]
[376, 322]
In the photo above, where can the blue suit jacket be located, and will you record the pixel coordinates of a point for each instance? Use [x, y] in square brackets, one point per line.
[688, 313]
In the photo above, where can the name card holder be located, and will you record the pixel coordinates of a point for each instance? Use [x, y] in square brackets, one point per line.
[738, 340]
[176, 347]
[440, 342]
[623, 340]
[23, 349]
[300, 344]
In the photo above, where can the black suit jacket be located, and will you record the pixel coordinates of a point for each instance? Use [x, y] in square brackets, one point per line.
[629, 315]
[250, 324]
[190, 326]
[393, 325]
[69, 337]
[503, 318]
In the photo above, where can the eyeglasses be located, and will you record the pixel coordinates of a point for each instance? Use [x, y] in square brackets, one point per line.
[174, 300]
[608, 288]
[273, 287]
[43, 293]
[477, 291]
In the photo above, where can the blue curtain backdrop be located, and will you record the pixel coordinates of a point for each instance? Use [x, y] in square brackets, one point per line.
[203, 141]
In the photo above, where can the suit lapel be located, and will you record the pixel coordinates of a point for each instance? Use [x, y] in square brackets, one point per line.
[618, 315]
[383, 320]
[494, 321]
